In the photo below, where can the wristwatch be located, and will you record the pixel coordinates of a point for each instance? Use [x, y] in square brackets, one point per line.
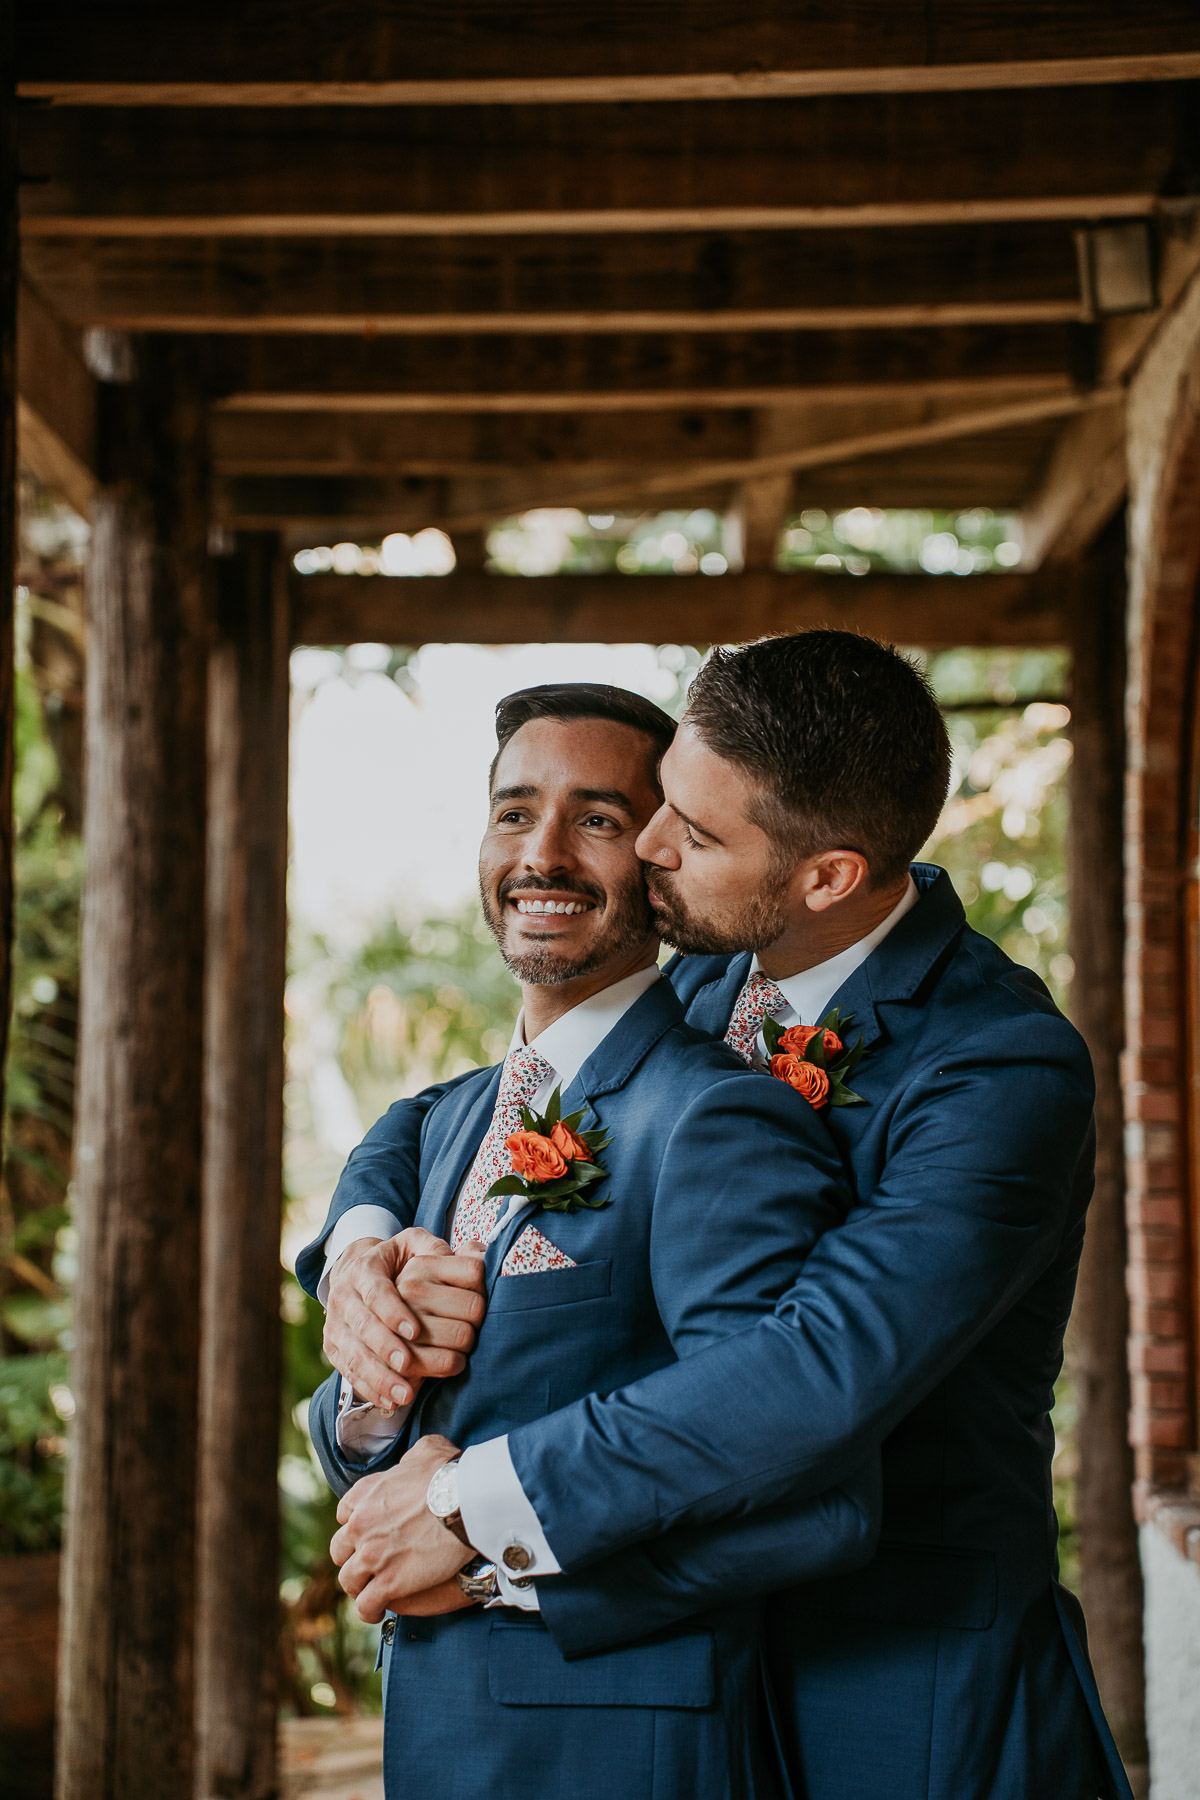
[441, 1497]
[478, 1580]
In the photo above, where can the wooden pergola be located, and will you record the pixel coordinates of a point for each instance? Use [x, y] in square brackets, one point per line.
[289, 272]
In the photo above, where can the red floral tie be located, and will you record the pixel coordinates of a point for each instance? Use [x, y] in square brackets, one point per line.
[759, 997]
[523, 1074]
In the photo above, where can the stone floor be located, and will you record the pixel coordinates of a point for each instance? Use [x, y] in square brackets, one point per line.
[331, 1759]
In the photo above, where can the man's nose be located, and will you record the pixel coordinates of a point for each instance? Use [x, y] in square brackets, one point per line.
[653, 844]
[547, 848]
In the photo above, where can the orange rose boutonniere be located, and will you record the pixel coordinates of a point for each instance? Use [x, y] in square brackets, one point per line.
[553, 1162]
[814, 1060]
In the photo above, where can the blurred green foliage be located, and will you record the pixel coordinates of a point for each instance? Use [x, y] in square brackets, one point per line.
[382, 1018]
[35, 1318]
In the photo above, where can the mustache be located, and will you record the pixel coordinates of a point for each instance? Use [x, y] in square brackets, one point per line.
[568, 885]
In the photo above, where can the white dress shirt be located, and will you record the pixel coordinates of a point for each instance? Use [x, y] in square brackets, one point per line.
[809, 993]
[491, 1498]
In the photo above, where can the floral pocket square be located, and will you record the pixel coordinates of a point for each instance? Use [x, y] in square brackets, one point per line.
[532, 1254]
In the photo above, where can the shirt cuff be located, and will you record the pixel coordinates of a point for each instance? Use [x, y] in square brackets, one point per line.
[363, 1431]
[497, 1516]
[355, 1222]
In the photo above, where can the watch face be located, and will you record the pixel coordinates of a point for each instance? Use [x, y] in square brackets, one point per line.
[442, 1494]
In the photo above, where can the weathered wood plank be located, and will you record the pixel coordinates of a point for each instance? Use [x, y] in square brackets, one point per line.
[736, 281]
[799, 442]
[57, 402]
[485, 445]
[500, 609]
[819, 451]
[847, 162]
[396, 53]
[1079, 491]
[236, 1646]
[562, 372]
[126, 1708]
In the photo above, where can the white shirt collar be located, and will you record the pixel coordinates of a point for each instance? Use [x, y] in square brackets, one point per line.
[809, 993]
[567, 1044]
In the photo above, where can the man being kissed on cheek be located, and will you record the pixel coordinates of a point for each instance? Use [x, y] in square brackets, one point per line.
[592, 1189]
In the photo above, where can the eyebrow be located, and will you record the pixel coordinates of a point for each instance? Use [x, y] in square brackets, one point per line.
[600, 796]
[695, 825]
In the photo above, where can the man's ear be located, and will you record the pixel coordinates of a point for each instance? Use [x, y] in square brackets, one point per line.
[832, 877]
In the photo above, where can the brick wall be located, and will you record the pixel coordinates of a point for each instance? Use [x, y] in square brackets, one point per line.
[1164, 532]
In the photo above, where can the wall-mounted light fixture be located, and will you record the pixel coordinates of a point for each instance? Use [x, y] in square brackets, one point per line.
[1116, 268]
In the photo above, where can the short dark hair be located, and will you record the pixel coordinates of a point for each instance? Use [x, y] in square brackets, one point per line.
[567, 700]
[844, 735]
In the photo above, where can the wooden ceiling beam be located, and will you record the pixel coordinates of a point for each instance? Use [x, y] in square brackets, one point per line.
[392, 53]
[56, 404]
[974, 275]
[755, 489]
[485, 445]
[1080, 490]
[892, 160]
[492, 609]
[562, 373]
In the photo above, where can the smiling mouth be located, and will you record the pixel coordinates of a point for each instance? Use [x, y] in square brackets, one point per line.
[540, 909]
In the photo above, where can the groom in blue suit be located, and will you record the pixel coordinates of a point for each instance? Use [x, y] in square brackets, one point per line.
[954, 1666]
[658, 1257]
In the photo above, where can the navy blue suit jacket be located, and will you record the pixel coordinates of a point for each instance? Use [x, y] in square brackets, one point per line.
[933, 1319]
[687, 1253]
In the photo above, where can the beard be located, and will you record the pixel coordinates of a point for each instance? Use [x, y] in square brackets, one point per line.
[628, 922]
[759, 923]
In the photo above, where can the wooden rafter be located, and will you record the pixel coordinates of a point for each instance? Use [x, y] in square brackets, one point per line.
[894, 160]
[565, 372]
[490, 609]
[972, 275]
[387, 52]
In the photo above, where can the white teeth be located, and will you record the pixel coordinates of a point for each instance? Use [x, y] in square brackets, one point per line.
[551, 906]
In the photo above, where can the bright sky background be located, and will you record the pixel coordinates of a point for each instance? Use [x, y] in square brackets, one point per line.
[388, 793]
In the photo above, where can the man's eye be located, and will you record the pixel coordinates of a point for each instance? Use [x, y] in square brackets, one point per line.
[691, 842]
[595, 819]
[510, 818]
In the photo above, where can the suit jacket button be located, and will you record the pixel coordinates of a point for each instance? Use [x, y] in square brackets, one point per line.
[517, 1557]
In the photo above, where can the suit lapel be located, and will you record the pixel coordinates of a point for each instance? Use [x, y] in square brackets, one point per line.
[452, 1161]
[713, 1004]
[898, 967]
[609, 1067]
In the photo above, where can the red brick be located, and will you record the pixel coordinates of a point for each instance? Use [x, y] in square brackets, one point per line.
[1152, 1356]
[1159, 1394]
[1170, 1431]
[1147, 1212]
[1149, 1281]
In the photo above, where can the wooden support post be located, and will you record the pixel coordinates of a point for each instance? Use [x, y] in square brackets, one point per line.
[8, 512]
[126, 1707]
[1110, 1571]
[238, 1599]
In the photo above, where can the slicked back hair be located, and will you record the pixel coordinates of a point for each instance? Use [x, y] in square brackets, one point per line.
[567, 700]
[844, 735]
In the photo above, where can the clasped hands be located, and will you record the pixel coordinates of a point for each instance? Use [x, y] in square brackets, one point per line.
[400, 1311]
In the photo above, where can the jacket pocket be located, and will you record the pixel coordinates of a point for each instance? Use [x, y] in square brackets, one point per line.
[525, 1668]
[551, 1287]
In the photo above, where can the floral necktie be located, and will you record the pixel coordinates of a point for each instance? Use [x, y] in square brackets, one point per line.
[523, 1073]
[759, 997]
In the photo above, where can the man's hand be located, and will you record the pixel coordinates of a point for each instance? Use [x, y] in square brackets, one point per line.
[390, 1548]
[372, 1335]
